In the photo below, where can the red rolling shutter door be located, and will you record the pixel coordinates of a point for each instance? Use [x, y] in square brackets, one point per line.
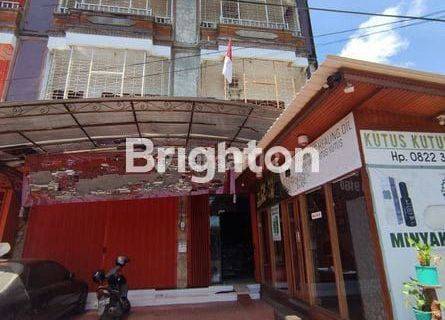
[88, 236]
[199, 242]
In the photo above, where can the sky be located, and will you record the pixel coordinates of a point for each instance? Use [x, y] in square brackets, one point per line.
[421, 46]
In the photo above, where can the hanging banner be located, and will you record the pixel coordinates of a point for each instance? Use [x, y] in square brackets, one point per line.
[339, 154]
[407, 178]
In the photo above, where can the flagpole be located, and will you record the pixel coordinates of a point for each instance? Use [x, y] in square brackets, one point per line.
[225, 89]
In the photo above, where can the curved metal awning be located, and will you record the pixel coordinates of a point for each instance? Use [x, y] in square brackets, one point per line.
[59, 126]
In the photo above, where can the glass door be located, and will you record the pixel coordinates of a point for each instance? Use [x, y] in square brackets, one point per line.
[300, 288]
[322, 252]
[265, 245]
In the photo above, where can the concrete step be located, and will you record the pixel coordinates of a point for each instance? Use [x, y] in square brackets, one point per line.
[144, 298]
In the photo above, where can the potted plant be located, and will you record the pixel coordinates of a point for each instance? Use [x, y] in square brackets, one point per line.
[415, 298]
[426, 271]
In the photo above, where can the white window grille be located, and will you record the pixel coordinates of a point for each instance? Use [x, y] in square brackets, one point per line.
[264, 82]
[158, 8]
[268, 14]
[82, 72]
[9, 5]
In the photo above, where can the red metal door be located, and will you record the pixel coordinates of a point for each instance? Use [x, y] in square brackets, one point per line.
[145, 231]
[199, 242]
[71, 234]
[87, 236]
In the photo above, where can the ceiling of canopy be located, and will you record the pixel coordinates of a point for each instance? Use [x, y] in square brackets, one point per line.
[59, 126]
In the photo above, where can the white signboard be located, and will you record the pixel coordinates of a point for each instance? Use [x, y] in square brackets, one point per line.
[339, 154]
[409, 201]
[316, 215]
[276, 225]
[403, 148]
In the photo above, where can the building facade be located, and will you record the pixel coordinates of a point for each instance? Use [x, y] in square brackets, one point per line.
[10, 19]
[95, 49]
[334, 243]
[84, 75]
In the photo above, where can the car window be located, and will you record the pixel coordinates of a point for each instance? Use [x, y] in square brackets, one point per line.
[13, 267]
[44, 274]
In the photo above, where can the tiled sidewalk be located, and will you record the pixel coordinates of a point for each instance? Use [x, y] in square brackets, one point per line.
[248, 310]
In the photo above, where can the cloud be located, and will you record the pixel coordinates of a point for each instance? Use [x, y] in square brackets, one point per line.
[417, 8]
[384, 43]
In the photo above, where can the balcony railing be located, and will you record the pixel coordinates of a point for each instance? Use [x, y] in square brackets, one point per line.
[261, 15]
[9, 5]
[255, 23]
[112, 9]
[264, 14]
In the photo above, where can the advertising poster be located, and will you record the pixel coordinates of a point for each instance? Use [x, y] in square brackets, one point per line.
[339, 154]
[407, 176]
[276, 226]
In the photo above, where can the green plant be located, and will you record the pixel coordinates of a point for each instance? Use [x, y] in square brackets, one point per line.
[424, 253]
[415, 296]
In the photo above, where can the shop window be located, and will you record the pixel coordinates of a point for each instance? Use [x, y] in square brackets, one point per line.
[324, 273]
[353, 237]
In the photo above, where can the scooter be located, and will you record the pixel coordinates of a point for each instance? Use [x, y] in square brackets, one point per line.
[112, 291]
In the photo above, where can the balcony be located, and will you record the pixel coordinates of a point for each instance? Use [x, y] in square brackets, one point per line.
[147, 8]
[9, 15]
[269, 14]
[13, 5]
[264, 82]
[148, 18]
[99, 7]
[86, 72]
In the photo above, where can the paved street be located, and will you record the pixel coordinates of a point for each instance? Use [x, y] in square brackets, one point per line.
[254, 310]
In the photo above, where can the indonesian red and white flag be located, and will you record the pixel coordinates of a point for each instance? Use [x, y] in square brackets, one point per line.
[228, 65]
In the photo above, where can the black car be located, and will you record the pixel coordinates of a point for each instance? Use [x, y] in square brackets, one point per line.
[35, 289]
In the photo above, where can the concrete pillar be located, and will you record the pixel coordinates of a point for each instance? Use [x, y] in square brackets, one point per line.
[186, 49]
[181, 271]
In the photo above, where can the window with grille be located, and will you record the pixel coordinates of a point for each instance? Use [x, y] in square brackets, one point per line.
[82, 72]
[272, 14]
[260, 81]
[158, 8]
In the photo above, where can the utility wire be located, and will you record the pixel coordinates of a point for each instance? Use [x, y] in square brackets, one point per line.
[406, 18]
[342, 11]
[373, 33]
[322, 44]
[373, 26]
[244, 48]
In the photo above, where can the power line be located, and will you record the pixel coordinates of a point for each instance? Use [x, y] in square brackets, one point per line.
[372, 26]
[244, 48]
[342, 11]
[406, 18]
[322, 44]
[372, 33]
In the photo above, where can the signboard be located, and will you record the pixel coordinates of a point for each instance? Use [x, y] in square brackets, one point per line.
[339, 155]
[395, 148]
[407, 179]
[269, 190]
[276, 225]
[316, 215]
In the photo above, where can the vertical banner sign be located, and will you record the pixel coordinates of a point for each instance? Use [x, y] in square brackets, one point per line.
[407, 176]
[276, 225]
[339, 154]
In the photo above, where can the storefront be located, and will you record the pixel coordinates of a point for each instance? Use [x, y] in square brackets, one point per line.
[381, 181]
[83, 208]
